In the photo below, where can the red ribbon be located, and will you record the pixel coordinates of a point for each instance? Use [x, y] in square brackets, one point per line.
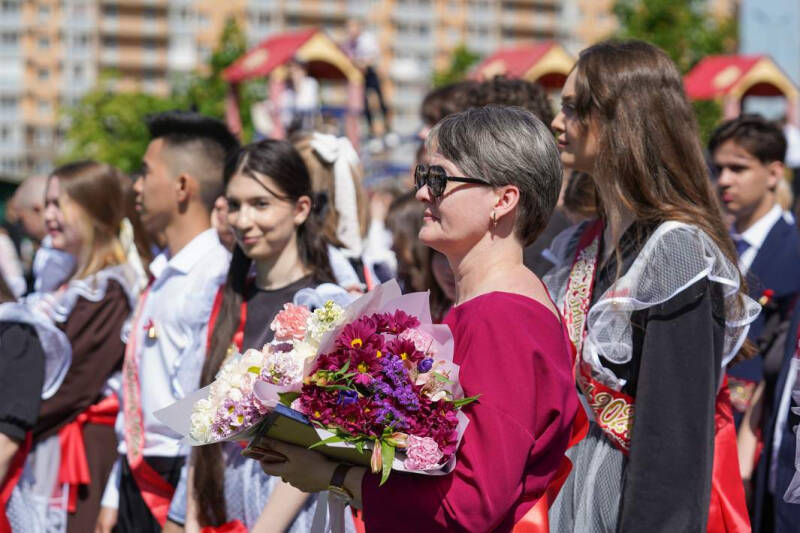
[11, 479]
[238, 336]
[728, 509]
[74, 469]
[228, 527]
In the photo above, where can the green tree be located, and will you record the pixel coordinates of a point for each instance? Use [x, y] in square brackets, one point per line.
[687, 32]
[207, 93]
[109, 126]
[460, 62]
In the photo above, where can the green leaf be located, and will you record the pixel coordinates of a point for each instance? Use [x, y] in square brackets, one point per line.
[336, 387]
[360, 446]
[387, 455]
[325, 442]
[466, 401]
[287, 398]
[440, 377]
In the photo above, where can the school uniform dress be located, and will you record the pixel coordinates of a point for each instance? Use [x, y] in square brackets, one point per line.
[650, 370]
[79, 330]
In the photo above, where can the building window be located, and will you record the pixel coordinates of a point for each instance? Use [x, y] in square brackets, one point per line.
[9, 6]
[149, 44]
[44, 42]
[77, 72]
[44, 106]
[43, 74]
[110, 42]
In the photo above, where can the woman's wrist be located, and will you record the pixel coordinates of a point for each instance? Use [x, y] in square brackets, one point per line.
[352, 483]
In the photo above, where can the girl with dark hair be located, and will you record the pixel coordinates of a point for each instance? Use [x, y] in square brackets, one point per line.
[654, 303]
[79, 328]
[279, 256]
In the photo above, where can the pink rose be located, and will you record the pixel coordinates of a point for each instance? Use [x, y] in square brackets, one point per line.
[422, 341]
[422, 453]
[290, 324]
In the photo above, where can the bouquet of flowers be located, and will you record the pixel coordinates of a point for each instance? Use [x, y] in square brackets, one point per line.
[375, 376]
[231, 407]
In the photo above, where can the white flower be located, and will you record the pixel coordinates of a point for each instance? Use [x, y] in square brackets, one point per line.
[302, 351]
[323, 320]
[202, 416]
[250, 359]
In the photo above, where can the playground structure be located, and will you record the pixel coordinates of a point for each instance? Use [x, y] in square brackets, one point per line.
[324, 60]
[729, 79]
[547, 63]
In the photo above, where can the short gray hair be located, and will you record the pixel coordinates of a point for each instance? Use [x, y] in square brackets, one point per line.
[505, 146]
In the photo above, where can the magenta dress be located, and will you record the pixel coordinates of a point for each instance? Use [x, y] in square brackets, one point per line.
[513, 351]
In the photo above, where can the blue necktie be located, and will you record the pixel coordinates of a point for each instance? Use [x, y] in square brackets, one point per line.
[741, 245]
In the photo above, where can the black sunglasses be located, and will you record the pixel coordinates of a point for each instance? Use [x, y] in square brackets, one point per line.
[436, 178]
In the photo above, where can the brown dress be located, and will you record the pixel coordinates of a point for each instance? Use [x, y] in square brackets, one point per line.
[94, 330]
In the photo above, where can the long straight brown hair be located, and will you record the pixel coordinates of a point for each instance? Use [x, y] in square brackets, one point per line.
[98, 189]
[650, 161]
[279, 161]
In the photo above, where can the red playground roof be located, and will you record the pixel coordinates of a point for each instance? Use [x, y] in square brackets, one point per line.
[262, 59]
[517, 60]
[716, 76]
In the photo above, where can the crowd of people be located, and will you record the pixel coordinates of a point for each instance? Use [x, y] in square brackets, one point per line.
[623, 298]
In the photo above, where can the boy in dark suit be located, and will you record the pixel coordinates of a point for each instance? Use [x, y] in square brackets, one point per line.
[748, 154]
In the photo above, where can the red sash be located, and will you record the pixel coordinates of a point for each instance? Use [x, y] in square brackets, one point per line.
[238, 337]
[74, 469]
[12, 477]
[155, 491]
[614, 410]
[229, 527]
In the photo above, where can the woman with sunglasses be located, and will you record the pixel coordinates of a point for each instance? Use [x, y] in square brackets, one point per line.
[493, 181]
[654, 304]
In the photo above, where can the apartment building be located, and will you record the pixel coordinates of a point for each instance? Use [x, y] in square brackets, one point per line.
[53, 51]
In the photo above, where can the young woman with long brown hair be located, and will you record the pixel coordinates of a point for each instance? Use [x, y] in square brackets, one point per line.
[80, 327]
[279, 257]
[654, 303]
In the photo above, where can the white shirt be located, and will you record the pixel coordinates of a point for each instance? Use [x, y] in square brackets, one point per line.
[792, 134]
[755, 236]
[178, 306]
[366, 48]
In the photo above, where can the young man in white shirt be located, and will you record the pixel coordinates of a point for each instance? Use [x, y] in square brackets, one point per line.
[748, 154]
[182, 177]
